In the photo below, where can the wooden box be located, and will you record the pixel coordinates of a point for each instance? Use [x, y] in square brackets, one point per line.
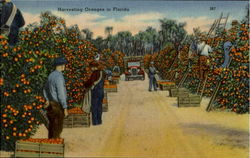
[166, 85]
[77, 120]
[31, 149]
[189, 101]
[113, 82]
[114, 74]
[176, 92]
[110, 88]
[116, 79]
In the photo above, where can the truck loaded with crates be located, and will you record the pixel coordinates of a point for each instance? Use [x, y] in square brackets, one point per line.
[134, 68]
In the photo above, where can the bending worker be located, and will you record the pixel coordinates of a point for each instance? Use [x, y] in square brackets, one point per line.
[96, 85]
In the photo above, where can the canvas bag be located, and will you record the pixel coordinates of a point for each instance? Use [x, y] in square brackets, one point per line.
[5, 29]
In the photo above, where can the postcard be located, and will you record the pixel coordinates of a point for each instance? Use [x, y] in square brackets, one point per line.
[131, 78]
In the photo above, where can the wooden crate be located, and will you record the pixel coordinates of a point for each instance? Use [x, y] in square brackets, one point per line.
[77, 120]
[115, 74]
[113, 82]
[189, 101]
[116, 79]
[30, 149]
[166, 86]
[110, 88]
[176, 92]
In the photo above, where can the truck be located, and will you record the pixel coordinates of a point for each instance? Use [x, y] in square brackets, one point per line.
[134, 68]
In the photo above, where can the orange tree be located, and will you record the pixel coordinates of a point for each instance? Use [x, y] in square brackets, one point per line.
[164, 59]
[234, 91]
[180, 65]
[79, 54]
[110, 59]
[25, 68]
[21, 75]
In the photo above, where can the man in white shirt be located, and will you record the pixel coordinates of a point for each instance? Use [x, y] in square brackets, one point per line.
[203, 50]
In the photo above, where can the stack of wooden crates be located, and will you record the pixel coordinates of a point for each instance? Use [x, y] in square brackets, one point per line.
[33, 149]
[185, 99]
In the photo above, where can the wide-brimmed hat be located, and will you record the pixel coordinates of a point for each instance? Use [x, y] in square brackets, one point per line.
[60, 61]
[97, 57]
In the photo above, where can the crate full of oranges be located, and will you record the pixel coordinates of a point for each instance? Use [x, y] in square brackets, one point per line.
[40, 148]
[166, 85]
[76, 118]
[110, 88]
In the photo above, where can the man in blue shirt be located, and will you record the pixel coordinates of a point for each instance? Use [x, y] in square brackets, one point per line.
[151, 74]
[56, 98]
[227, 48]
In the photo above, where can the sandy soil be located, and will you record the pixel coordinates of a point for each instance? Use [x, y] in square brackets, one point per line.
[149, 124]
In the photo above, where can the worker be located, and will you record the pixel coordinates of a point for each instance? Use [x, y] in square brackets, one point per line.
[203, 50]
[151, 74]
[56, 98]
[96, 85]
[11, 21]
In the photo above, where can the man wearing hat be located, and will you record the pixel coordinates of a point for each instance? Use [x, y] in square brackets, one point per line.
[96, 85]
[151, 74]
[56, 98]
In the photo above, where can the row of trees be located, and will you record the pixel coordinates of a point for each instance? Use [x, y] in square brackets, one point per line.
[26, 66]
[233, 91]
[144, 42]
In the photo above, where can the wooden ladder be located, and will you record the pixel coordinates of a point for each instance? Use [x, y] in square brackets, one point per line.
[217, 87]
[183, 78]
[218, 24]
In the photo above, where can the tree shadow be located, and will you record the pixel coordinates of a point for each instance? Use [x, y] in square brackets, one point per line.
[221, 135]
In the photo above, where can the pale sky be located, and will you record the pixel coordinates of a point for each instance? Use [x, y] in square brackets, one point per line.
[141, 14]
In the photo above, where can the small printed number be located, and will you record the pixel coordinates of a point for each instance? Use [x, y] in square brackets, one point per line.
[212, 8]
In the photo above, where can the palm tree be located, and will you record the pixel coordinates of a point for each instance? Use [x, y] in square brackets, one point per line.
[171, 32]
[88, 34]
[108, 31]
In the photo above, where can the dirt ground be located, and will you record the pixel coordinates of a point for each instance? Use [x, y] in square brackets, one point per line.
[149, 124]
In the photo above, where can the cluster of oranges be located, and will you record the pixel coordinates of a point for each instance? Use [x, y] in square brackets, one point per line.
[45, 141]
[76, 110]
[110, 86]
[28, 64]
[109, 59]
[236, 75]
[162, 60]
